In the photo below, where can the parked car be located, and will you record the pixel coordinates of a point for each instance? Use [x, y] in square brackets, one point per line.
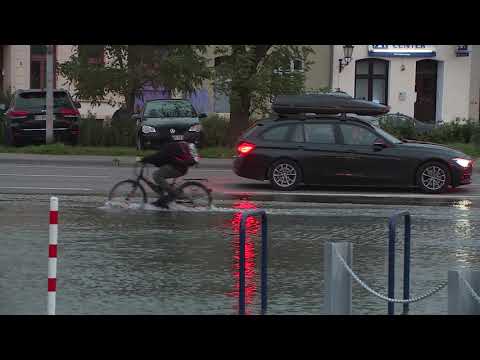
[24, 121]
[175, 118]
[293, 149]
[399, 120]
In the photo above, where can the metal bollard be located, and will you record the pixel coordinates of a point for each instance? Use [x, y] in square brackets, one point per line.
[460, 298]
[338, 282]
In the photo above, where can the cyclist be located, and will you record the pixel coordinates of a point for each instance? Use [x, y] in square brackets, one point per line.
[173, 160]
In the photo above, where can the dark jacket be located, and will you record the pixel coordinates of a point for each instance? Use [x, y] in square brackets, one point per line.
[175, 153]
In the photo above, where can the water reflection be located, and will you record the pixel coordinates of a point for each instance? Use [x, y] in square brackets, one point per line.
[252, 229]
[462, 204]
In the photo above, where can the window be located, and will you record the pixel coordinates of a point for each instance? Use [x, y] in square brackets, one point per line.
[357, 135]
[278, 133]
[169, 108]
[92, 54]
[37, 100]
[297, 135]
[320, 133]
[371, 80]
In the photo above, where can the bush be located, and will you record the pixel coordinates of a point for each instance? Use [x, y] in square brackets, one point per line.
[94, 132]
[457, 131]
[215, 130]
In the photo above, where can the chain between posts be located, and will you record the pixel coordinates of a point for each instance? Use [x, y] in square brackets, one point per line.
[383, 297]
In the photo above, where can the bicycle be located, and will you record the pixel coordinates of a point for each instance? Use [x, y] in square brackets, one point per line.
[192, 192]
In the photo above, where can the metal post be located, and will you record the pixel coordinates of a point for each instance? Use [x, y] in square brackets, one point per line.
[406, 263]
[460, 299]
[338, 282]
[49, 98]
[391, 266]
[241, 289]
[264, 277]
[264, 260]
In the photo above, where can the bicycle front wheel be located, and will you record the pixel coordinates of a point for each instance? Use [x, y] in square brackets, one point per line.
[126, 193]
[195, 195]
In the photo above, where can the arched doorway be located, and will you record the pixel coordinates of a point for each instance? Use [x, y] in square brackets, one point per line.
[426, 89]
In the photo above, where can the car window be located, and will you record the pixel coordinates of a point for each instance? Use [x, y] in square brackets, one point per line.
[168, 108]
[320, 133]
[357, 135]
[37, 100]
[277, 133]
[297, 134]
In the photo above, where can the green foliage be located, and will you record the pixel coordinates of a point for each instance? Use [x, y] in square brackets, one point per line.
[457, 131]
[252, 75]
[96, 133]
[6, 97]
[215, 130]
[128, 68]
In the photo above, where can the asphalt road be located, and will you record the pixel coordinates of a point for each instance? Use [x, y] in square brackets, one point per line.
[95, 175]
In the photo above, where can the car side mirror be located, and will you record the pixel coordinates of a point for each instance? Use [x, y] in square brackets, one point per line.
[77, 104]
[379, 145]
[202, 115]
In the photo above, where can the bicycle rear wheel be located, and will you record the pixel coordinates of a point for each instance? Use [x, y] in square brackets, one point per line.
[195, 195]
[127, 192]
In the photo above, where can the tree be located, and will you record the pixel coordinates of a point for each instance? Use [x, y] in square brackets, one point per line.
[252, 75]
[125, 69]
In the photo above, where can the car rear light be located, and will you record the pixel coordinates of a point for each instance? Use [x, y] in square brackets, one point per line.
[18, 114]
[66, 112]
[245, 148]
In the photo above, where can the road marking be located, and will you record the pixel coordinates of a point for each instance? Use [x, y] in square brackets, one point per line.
[41, 188]
[56, 175]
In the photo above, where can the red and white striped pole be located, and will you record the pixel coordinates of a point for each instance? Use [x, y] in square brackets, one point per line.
[52, 255]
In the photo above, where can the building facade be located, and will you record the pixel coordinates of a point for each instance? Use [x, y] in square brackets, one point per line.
[24, 67]
[429, 82]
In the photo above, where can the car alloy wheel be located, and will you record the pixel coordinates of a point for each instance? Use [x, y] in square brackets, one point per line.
[284, 175]
[433, 178]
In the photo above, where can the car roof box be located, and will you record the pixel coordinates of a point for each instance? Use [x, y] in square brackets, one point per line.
[326, 104]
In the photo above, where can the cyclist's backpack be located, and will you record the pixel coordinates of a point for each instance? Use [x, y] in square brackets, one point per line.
[188, 155]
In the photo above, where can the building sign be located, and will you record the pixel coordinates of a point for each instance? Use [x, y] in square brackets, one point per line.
[462, 50]
[401, 50]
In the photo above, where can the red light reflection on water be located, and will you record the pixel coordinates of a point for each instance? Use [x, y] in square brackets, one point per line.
[252, 228]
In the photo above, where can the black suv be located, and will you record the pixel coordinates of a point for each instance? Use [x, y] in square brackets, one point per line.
[24, 121]
[327, 147]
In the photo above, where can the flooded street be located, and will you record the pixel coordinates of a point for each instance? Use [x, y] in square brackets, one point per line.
[118, 261]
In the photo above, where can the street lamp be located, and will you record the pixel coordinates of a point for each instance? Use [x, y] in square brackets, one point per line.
[347, 57]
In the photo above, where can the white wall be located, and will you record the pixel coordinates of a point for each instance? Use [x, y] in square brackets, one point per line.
[18, 63]
[455, 78]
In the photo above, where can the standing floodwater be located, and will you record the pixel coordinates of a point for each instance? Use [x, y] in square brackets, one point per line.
[132, 261]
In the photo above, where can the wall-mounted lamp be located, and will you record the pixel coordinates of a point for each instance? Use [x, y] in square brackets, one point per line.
[347, 57]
